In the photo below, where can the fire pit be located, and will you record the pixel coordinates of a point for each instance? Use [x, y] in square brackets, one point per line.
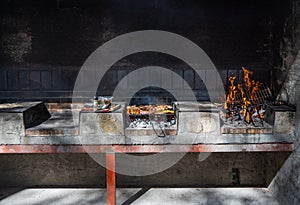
[244, 110]
[157, 120]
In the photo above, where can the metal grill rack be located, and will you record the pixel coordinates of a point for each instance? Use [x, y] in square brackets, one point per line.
[258, 100]
[263, 96]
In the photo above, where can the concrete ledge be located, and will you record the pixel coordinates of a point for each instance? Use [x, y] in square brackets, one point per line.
[143, 140]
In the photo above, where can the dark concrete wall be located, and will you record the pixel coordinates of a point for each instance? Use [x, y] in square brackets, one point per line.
[43, 44]
[81, 170]
[286, 184]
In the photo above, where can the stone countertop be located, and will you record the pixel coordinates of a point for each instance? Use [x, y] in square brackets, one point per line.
[121, 107]
[152, 140]
[60, 123]
[181, 139]
[196, 106]
[18, 107]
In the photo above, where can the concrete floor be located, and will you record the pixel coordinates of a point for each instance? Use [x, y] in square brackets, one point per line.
[145, 196]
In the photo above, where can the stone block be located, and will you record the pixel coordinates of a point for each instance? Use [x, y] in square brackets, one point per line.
[103, 125]
[197, 118]
[282, 118]
[198, 122]
[16, 117]
[12, 127]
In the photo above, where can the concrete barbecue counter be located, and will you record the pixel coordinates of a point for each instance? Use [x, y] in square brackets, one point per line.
[198, 123]
[198, 131]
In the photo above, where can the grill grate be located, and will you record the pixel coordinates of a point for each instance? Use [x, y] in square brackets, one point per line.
[256, 104]
[263, 96]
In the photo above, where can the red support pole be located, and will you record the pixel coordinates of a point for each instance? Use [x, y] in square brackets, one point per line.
[110, 179]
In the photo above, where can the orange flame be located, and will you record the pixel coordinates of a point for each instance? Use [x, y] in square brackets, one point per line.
[247, 79]
[245, 92]
[231, 97]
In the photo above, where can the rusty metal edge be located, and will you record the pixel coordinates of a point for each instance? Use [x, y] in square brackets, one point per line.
[51, 149]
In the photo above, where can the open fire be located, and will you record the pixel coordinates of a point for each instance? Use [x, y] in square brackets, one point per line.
[153, 117]
[246, 101]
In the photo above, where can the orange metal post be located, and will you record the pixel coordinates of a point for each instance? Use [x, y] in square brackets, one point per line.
[110, 179]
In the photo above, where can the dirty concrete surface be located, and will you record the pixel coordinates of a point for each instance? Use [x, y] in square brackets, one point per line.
[137, 196]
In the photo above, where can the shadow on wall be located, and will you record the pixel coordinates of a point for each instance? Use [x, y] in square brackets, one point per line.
[152, 96]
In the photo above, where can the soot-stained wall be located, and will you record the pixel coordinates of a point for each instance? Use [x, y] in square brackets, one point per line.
[74, 170]
[43, 44]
